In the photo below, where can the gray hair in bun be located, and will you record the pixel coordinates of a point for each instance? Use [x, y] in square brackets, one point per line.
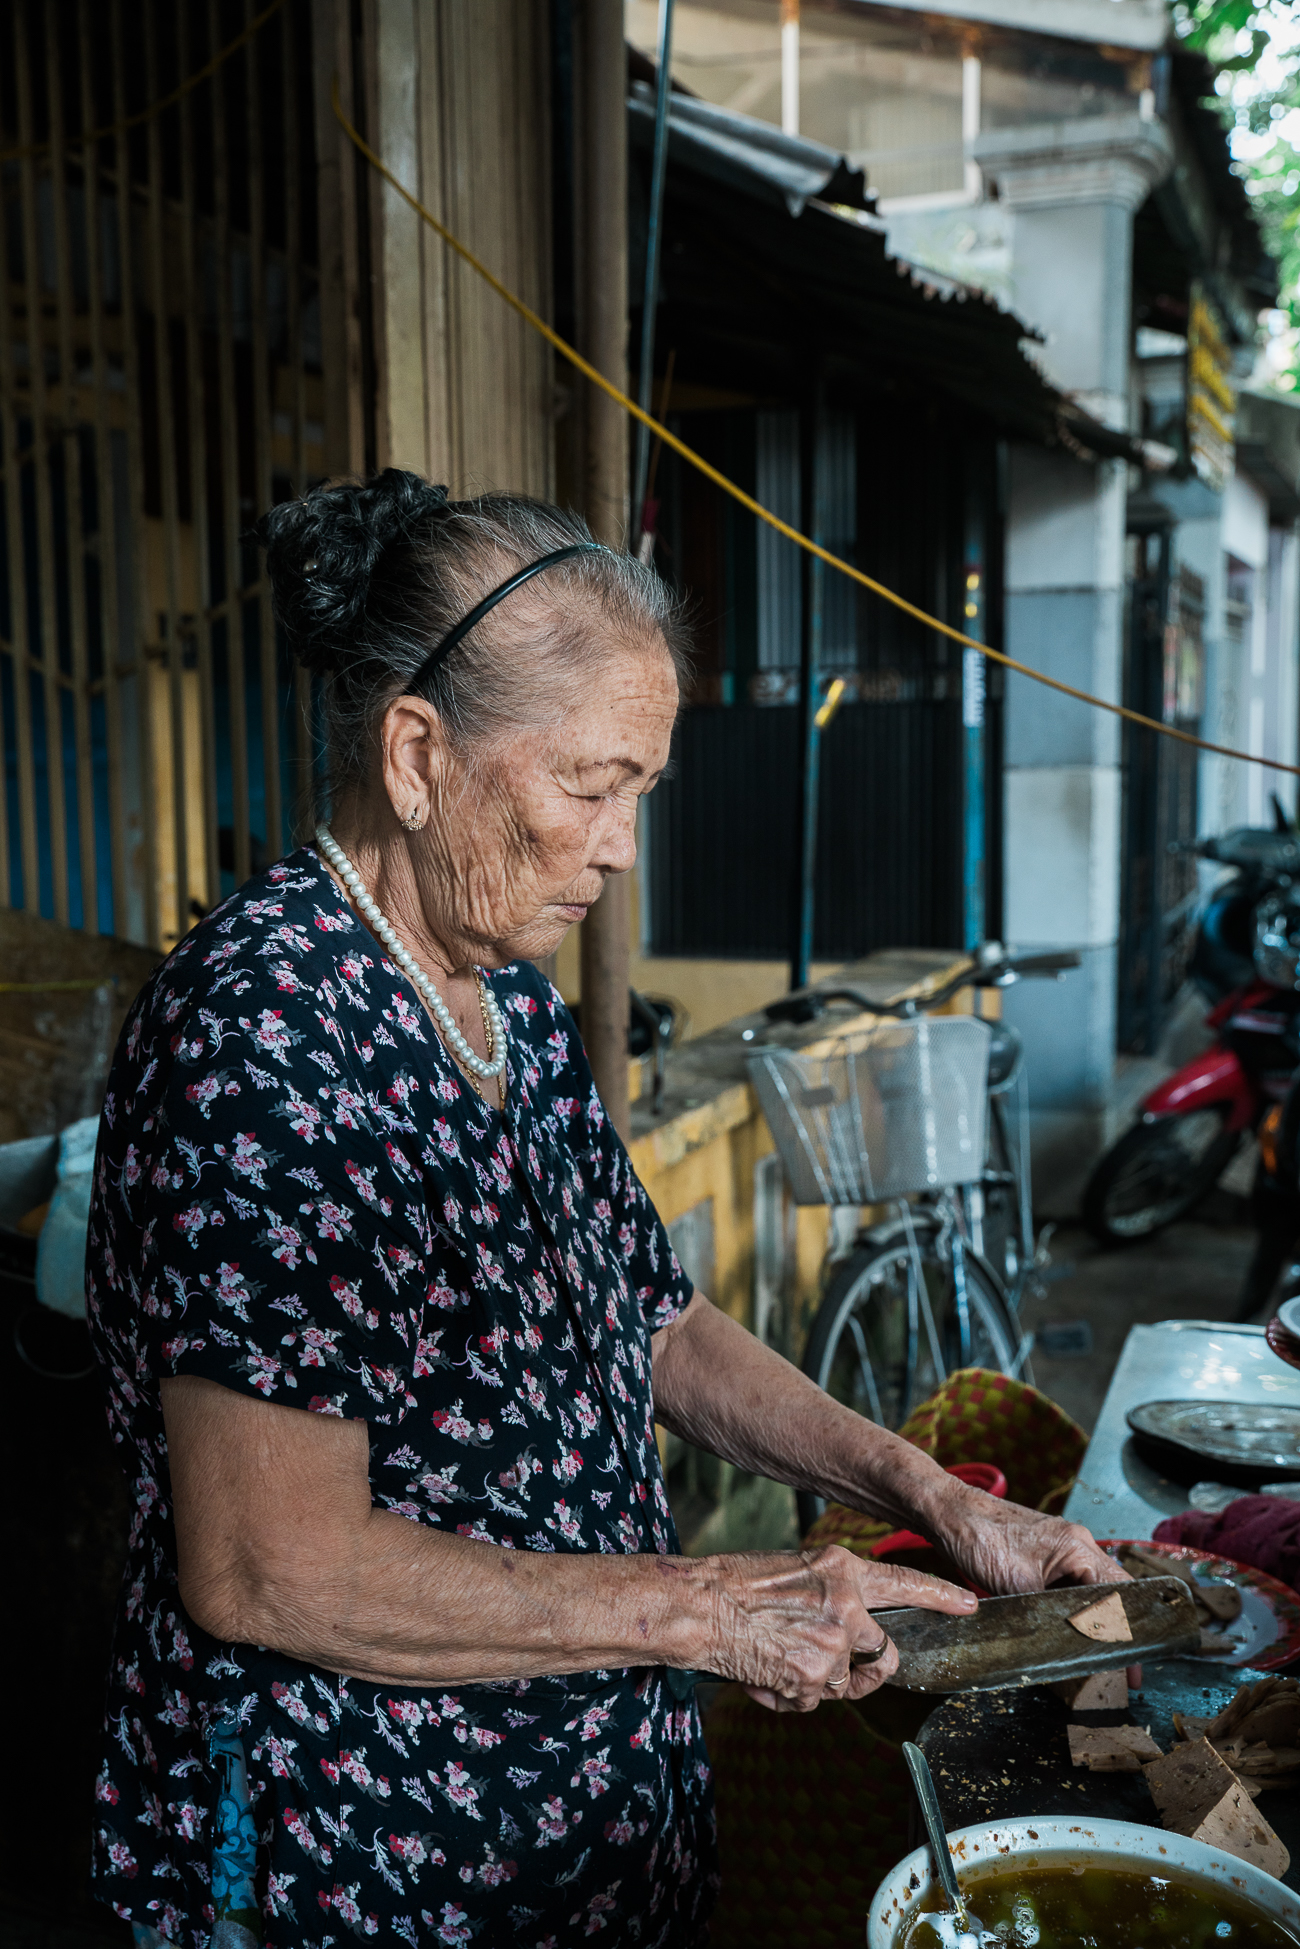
[367, 577]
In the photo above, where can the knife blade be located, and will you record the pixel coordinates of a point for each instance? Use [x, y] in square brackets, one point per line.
[1028, 1639]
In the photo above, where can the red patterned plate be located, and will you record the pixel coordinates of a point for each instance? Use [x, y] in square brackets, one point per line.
[1269, 1624]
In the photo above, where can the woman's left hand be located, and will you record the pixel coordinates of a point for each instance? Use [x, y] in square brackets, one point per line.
[1004, 1547]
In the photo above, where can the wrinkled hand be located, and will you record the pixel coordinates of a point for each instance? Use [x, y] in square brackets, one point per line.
[1005, 1548]
[787, 1626]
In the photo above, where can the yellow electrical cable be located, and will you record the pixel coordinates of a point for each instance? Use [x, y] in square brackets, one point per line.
[702, 466]
[155, 108]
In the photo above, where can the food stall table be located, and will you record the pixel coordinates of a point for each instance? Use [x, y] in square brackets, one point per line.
[999, 1756]
[1118, 1493]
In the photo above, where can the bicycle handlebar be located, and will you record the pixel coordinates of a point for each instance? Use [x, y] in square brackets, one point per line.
[991, 966]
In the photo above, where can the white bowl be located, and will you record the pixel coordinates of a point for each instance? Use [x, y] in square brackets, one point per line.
[1062, 1842]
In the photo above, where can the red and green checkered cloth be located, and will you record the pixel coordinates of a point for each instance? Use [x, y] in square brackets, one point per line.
[979, 1416]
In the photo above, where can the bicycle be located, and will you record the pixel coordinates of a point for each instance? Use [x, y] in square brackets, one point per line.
[913, 1113]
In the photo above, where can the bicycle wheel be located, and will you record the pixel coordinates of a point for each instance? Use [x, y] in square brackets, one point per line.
[1004, 1247]
[1157, 1173]
[881, 1343]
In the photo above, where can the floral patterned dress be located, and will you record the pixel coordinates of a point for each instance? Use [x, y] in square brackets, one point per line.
[298, 1195]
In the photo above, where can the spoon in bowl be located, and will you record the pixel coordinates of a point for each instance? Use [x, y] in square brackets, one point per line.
[966, 1932]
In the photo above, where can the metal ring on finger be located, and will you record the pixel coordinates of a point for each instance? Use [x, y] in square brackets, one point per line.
[836, 1684]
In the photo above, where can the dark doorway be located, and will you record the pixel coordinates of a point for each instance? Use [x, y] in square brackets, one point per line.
[898, 482]
[1162, 679]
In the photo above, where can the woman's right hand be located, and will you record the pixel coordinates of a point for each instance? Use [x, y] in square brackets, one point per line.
[787, 1627]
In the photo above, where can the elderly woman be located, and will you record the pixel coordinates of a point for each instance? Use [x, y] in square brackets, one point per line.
[387, 1320]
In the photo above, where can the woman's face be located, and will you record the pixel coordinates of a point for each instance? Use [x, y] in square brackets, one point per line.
[519, 844]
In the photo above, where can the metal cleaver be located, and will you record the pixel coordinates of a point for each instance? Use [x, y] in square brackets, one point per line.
[1028, 1640]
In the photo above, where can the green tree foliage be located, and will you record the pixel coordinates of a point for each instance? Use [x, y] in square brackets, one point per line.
[1254, 46]
[1209, 24]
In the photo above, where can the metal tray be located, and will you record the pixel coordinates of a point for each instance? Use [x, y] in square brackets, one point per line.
[1241, 1441]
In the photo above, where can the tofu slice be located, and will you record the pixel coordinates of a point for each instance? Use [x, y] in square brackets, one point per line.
[1111, 1749]
[1104, 1622]
[1199, 1795]
[1098, 1692]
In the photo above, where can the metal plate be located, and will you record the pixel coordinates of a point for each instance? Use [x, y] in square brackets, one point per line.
[1268, 1629]
[1228, 1434]
[1118, 1492]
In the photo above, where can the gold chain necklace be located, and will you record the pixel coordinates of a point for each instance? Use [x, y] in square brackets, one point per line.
[490, 1035]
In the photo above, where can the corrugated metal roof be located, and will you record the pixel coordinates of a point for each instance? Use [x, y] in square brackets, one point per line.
[1118, 23]
[750, 156]
[758, 260]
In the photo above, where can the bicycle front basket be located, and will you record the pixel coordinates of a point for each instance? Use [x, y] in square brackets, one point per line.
[893, 1110]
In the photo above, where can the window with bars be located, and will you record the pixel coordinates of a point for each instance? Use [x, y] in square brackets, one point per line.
[160, 386]
[780, 603]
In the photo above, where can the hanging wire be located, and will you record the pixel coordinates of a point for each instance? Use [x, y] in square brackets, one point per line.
[747, 501]
[646, 420]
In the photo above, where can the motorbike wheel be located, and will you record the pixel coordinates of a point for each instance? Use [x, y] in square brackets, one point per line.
[1156, 1174]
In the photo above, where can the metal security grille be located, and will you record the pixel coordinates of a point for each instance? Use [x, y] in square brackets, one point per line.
[899, 489]
[160, 386]
[722, 825]
[1164, 679]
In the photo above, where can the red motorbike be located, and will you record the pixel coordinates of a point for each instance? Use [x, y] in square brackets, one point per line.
[1245, 959]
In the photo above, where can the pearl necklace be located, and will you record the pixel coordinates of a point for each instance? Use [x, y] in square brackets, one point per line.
[442, 1015]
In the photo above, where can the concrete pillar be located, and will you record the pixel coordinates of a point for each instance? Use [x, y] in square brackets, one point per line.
[1241, 699]
[1282, 716]
[1072, 189]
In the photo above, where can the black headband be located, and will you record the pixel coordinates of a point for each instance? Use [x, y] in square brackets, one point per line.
[480, 609]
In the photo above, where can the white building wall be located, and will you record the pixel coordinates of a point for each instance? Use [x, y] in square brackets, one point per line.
[1055, 242]
[1071, 189]
[1283, 715]
[1245, 522]
[1250, 661]
[1198, 542]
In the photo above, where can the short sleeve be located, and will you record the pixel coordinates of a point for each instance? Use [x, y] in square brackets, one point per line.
[256, 1213]
[638, 1236]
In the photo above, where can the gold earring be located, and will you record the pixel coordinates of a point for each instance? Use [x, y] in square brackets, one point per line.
[414, 824]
